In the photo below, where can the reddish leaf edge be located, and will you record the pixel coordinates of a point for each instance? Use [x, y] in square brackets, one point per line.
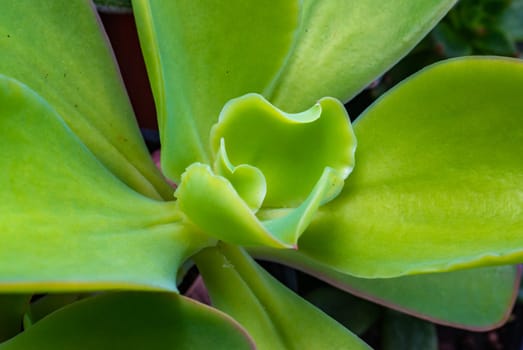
[235, 323]
[505, 317]
[354, 291]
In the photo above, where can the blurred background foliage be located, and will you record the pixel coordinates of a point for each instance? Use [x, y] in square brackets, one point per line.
[472, 27]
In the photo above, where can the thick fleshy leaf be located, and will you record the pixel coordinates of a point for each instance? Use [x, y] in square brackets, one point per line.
[211, 203]
[67, 223]
[291, 150]
[289, 224]
[134, 321]
[439, 177]
[342, 46]
[199, 55]
[12, 309]
[246, 179]
[58, 50]
[476, 299]
[274, 316]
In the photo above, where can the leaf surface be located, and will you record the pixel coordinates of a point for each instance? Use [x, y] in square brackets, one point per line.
[58, 49]
[67, 223]
[199, 55]
[133, 321]
[291, 150]
[274, 316]
[476, 299]
[342, 46]
[438, 181]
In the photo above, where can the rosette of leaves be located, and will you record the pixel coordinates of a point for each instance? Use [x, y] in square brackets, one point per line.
[255, 136]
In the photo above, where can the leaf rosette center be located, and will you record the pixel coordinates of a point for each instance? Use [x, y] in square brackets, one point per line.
[270, 173]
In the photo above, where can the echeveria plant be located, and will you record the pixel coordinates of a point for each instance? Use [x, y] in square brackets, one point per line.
[424, 214]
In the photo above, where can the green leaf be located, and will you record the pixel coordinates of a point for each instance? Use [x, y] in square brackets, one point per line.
[291, 150]
[246, 179]
[211, 203]
[438, 180]
[274, 316]
[57, 49]
[67, 223]
[407, 333]
[342, 46]
[12, 309]
[289, 224]
[199, 55]
[356, 314]
[476, 299]
[133, 321]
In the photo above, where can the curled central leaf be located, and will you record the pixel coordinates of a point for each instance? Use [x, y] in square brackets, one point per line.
[292, 150]
[272, 171]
